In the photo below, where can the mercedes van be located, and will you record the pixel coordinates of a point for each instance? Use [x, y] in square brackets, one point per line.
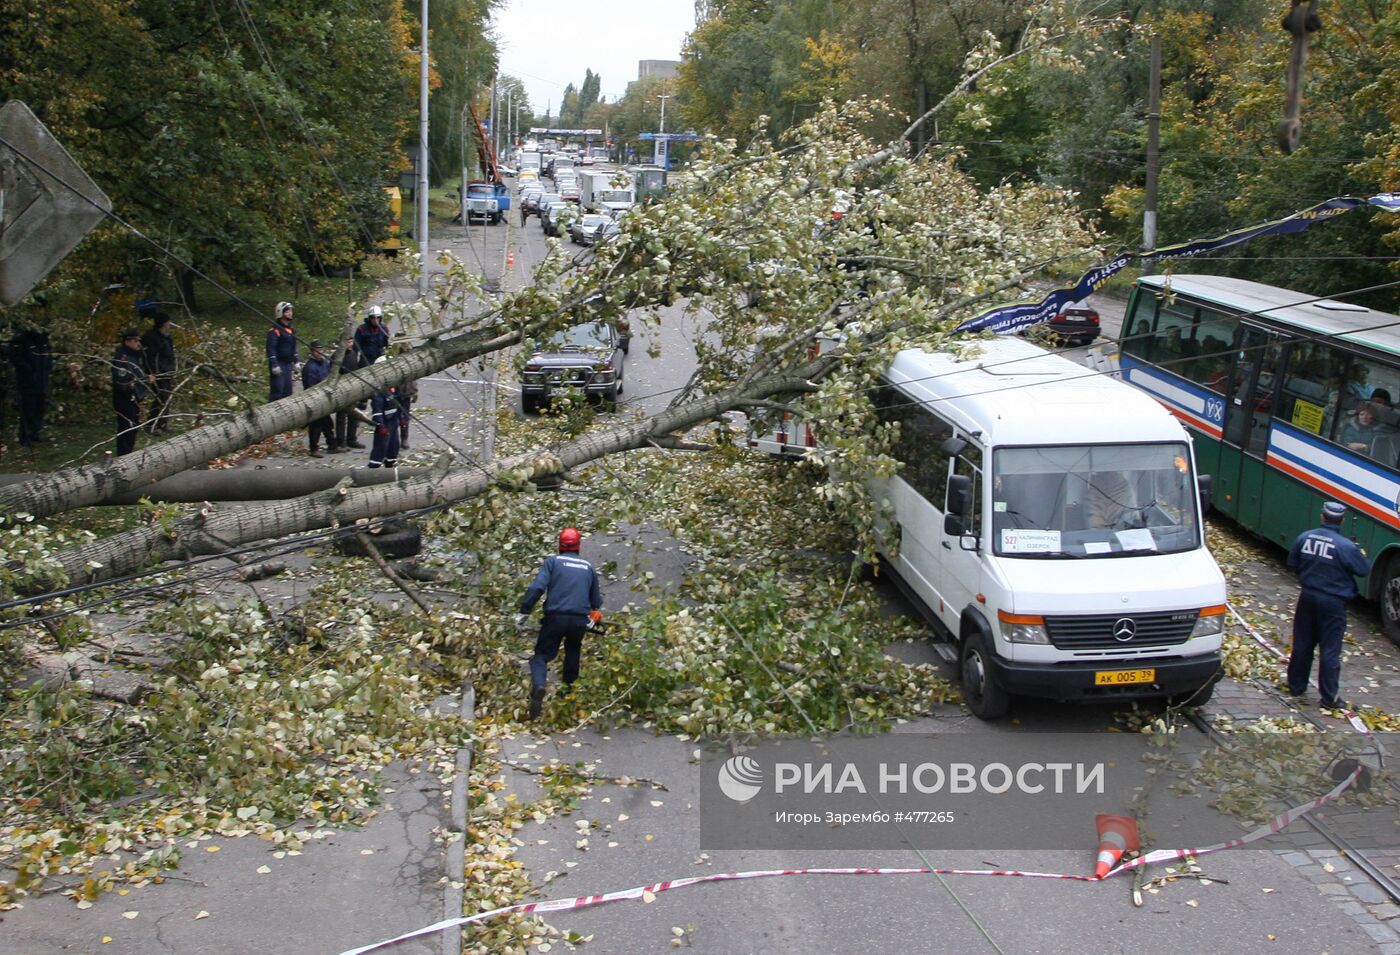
[1050, 521]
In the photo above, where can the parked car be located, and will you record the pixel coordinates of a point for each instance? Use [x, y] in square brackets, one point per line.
[588, 357]
[1075, 325]
[606, 232]
[584, 230]
[555, 218]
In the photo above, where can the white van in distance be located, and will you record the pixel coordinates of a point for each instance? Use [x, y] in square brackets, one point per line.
[1050, 521]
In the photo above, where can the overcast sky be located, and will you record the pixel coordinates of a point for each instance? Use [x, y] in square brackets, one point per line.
[549, 43]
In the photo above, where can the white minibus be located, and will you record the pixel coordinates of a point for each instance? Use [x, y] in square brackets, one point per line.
[1049, 522]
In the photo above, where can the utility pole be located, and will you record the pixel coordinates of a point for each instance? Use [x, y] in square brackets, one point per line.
[510, 114]
[1154, 121]
[423, 158]
[495, 134]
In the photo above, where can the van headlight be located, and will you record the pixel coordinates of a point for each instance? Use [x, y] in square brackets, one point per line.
[1023, 628]
[1210, 622]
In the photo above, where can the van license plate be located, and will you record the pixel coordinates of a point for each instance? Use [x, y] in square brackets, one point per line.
[1121, 677]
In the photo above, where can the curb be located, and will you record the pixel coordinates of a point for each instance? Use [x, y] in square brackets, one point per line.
[456, 849]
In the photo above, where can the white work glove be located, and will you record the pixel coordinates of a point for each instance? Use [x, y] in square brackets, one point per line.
[521, 619]
[297, 368]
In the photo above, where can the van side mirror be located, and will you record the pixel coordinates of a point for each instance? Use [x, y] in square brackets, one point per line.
[1204, 485]
[952, 447]
[959, 503]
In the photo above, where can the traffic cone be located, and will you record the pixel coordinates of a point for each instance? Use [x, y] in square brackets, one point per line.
[510, 258]
[1117, 835]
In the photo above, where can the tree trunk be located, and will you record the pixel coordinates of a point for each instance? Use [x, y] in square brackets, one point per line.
[240, 484]
[218, 530]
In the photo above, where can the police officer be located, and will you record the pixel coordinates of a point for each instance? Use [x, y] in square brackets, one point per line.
[573, 603]
[372, 336]
[1326, 564]
[347, 425]
[33, 362]
[158, 352]
[384, 412]
[281, 353]
[128, 388]
[316, 370]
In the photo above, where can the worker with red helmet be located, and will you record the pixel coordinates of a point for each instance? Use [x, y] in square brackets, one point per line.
[573, 603]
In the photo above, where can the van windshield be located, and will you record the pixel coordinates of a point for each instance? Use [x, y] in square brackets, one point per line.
[1093, 501]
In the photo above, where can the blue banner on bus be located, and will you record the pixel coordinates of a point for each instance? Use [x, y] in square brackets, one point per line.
[1005, 319]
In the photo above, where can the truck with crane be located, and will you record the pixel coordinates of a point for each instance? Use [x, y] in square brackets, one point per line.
[487, 197]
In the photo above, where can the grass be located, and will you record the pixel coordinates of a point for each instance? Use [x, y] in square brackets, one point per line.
[80, 423]
[321, 307]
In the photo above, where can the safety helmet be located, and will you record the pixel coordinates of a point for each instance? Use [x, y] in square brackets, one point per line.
[281, 308]
[375, 312]
[569, 539]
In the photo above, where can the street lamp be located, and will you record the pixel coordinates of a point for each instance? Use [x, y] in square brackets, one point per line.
[661, 155]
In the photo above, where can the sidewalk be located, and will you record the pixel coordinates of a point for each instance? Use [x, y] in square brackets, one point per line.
[349, 886]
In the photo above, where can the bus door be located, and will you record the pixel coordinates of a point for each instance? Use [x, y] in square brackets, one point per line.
[1249, 411]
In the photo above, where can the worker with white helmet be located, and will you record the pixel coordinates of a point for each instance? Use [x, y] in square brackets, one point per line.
[281, 353]
[372, 336]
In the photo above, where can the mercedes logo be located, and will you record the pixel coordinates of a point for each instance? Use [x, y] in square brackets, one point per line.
[1124, 629]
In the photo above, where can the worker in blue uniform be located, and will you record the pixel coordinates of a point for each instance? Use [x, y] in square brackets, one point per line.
[384, 412]
[281, 353]
[573, 604]
[1327, 564]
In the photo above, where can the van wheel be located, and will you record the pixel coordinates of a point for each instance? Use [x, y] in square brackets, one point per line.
[983, 697]
[1390, 599]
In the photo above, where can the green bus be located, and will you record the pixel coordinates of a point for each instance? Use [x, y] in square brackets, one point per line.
[1290, 398]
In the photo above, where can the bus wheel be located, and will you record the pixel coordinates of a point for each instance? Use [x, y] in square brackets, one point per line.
[983, 697]
[1390, 600]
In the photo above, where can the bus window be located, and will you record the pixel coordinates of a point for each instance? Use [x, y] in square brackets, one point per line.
[1308, 399]
[1216, 334]
[1370, 381]
[921, 434]
[1174, 346]
[1137, 327]
[1368, 423]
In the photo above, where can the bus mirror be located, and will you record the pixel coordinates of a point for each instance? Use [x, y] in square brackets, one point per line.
[952, 447]
[1204, 483]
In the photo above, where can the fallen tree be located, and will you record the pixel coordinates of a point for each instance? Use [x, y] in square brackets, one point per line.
[753, 245]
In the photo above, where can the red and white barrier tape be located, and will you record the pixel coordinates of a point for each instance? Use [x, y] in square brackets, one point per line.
[1278, 824]
[642, 891]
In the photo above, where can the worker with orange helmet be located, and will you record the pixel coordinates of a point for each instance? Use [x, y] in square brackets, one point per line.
[573, 605]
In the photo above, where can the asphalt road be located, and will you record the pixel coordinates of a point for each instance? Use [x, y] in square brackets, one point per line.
[1257, 901]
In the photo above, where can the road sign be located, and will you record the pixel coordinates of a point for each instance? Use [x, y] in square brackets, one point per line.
[49, 203]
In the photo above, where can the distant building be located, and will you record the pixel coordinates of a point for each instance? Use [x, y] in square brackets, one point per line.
[660, 69]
